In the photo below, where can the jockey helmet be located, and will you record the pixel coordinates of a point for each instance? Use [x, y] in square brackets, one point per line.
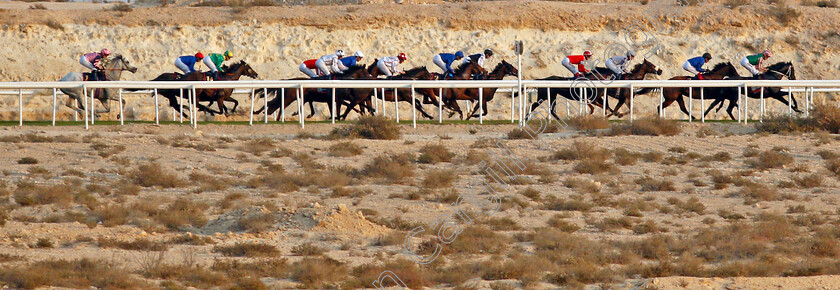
[359, 54]
[228, 54]
[631, 54]
[339, 53]
[401, 56]
[105, 52]
[488, 52]
[766, 53]
[587, 53]
[199, 55]
[459, 54]
[707, 56]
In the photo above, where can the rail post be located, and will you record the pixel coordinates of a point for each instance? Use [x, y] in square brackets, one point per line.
[92, 106]
[251, 109]
[550, 104]
[375, 102]
[55, 100]
[120, 100]
[746, 104]
[690, 107]
[511, 105]
[181, 105]
[440, 105]
[740, 107]
[84, 96]
[20, 106]
[790, 101]
[632, 96]
[481, 105]
[703, 105]
[157, 117]
[414, 109]
[522, 104]
[604, 102]
[383, 102]
[761, 110]
[396, 105]
[300, 107]
[332, 107]
[283, 105]
[194, 108]
[808, 98]
[265, 105]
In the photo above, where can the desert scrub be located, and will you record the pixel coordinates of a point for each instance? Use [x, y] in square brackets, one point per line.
[246, 250]
[392, 169]
[440, 178]
[823, 117]
[647, 127]
[581, 150]
[435, 153]
[153, 174]
[344, 149]
[770, 159]
[368, 127]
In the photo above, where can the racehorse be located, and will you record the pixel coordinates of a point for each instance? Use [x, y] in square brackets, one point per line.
[452, 95]
[231, 73]
[622, 95]
[774, 72]
[575, 92]
[114, 66]
[404, 95]
[719, 72]
[311, 95]
[499, 72]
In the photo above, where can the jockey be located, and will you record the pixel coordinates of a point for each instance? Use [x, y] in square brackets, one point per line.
[619, 63]
[445, 60]
[388, 65]
[350, 61]
[578, 60]
[753, 63]
[214, 62]
[93, 61]
[695, 65]
[187, 63]
[331, 63]
[307, 68]
[479, 58]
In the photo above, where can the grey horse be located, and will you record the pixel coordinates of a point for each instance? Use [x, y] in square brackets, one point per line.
[114, 67]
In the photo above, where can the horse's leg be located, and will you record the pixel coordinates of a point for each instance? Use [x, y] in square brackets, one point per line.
[732, 105]
[712, 106]
[681, 102]
[312, 109]
[229, 98]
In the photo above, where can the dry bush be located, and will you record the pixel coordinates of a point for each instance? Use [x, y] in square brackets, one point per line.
[153, 174]
[440, 178]
[530, 193]
[344, 149]
[84, 273]
[318, 272]
[135, 245]
[29, 194]
[121, 7]
[307, 249]
[478, 240]
[646, 127]
[500, 224]
[625, 157]
[753, 192]
[588, 122]
[808, 181]
[648, 183]
[719, 157]
[181, 213]
[821, 3]
[560, 204]
[581, 150]
[247, 250]
[38, 6]
[409, 272]
[435, 153]
[392, 169]
[271, 267]
[594, 166]
[824, 117]
[369, 127]
[258, 146]
[785, 14]
[27, 160]
[257, 222]
[343, 191]
[613, 224]
[582, 185]
[558, 222]
[770, 159]
[207, 182]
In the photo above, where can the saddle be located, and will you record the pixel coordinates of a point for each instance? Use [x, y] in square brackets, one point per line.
[94, 76]
[698, 77]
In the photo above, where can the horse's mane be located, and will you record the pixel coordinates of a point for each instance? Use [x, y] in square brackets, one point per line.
[234, 66]
[354, 69]
[414, 70]
[464, 67]
[373, 64]
[721, 66]
[778, 66]
[603, 71]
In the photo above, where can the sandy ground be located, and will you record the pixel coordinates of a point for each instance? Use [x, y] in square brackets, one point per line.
[312, 215]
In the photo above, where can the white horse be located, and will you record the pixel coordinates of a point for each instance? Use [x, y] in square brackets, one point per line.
[114, 66]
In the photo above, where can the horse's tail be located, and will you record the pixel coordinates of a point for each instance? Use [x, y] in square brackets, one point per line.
[646, 91]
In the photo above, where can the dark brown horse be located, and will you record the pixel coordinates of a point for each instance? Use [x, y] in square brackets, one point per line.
[417, 73]
[320, 95]
[232, 73]
[719, 72]
[774, 72]
[404, 95]
[622, 95]
[499, 72]
[576, 92]
[452, 95]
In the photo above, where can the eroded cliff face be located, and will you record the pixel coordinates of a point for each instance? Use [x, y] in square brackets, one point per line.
[275, 48]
